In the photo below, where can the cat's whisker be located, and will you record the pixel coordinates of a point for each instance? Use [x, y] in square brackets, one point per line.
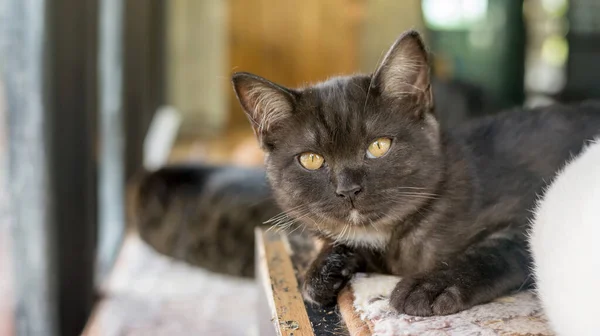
[286, 222]
[337, 237]
[284, 213]
[414, 188]
[348, 232]
[371, 82]
[341, 235]
[415, 193]
[293, 221]
[287, 217]
[408, 193]
[275, 218]
[406, 189]
[294, 230]
[280, 222]
[405, 197]
[420, 196]
[285, 225]
[316, 224]
[373, 224]
[303, 228]
[297, 220]
[275, 228]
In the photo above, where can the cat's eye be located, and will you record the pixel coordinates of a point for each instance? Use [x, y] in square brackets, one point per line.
[378, 148]
[311, 161]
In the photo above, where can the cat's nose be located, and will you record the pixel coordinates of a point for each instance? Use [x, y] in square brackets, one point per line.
[348, 191]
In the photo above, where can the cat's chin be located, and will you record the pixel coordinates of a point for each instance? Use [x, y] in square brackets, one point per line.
[356, 218]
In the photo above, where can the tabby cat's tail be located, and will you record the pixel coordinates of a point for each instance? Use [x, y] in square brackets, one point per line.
[204, 215]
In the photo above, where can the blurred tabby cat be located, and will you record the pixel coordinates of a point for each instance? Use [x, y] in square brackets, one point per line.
[204, 215]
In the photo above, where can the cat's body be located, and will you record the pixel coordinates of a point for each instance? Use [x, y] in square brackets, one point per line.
[566, 254]
[197, 213]
[364, 164]
[496, 166]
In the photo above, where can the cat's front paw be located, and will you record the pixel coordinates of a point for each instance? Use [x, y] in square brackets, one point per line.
[434, 294]
[325, 278]
[323, 291]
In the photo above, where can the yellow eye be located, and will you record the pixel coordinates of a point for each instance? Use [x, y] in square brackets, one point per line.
[311, 161]
[379, 147]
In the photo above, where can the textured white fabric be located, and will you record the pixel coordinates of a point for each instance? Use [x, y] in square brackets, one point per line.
[519, 314]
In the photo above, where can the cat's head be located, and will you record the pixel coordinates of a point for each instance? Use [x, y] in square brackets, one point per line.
[352, 156]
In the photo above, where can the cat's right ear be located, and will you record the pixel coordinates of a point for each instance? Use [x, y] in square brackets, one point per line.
[266, 104]
[404, 71]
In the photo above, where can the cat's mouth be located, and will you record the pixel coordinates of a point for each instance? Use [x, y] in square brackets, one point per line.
[344, 214]
[352, 217]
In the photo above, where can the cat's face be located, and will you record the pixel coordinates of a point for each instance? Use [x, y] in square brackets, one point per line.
[352, 156]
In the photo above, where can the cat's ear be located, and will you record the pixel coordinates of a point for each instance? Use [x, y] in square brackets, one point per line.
[266, 104]
[404, 71]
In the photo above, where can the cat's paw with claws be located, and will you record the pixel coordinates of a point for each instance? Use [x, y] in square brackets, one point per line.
[327, 275]
[428, 295]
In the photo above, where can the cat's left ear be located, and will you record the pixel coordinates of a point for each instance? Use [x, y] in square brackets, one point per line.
[266, 104]
[404, 71]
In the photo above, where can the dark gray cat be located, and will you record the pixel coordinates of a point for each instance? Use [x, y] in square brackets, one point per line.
[362, 162]
[206, 215]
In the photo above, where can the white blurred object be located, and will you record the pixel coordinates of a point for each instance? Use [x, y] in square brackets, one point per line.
[564, 243]
[161, 137]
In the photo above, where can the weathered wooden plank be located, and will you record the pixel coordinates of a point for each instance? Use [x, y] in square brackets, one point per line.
[276, 275]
